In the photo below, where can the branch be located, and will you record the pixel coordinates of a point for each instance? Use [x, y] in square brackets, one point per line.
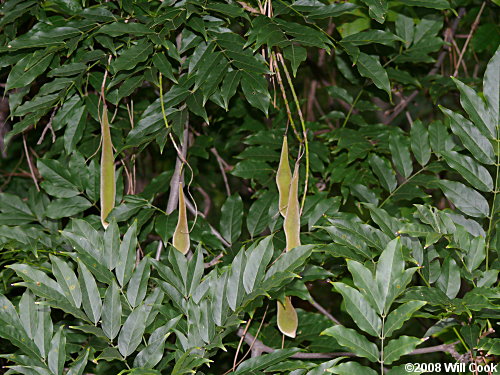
[222, 166]
[322, 310]
[400, 107]
[263, 348]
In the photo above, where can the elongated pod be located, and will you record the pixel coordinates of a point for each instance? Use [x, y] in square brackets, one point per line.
[108, 185]
[283, 178]
[292, 217]
[181, 235]
[287, 318]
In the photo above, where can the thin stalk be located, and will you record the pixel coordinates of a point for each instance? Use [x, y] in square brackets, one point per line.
[161, 101]
[493, 205]
[400, 186]
[382, 338]
[352, 108]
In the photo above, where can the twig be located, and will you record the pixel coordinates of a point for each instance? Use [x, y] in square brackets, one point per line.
[400, 107]
[214, 261]
[322, 310]
[469, 37]
[30, 165]
[263, 348]
[235, 361]
[221, 163]
[248, 8]
[206, 199]
[47, 127]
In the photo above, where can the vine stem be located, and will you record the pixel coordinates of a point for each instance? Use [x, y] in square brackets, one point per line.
[400, 186]
[382, 347]
[352, 108]
[303, 124]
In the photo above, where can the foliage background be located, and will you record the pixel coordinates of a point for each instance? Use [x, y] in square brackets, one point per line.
[368, 82]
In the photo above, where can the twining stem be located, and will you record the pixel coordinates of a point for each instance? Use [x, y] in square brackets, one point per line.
[161, 101]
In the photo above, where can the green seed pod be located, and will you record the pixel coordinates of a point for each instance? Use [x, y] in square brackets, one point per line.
[181, 235]
[283, 178]
[108, 185]
[287, 318]
[292, 217]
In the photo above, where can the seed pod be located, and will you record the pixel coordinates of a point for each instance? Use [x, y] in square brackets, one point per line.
[108, 185]
[287, 318]
[292, 217]
[181, 235]
[283, 178]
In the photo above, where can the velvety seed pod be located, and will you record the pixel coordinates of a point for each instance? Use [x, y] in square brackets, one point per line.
[283, 178]
[287, 318]
[181, 235]
[108, 185]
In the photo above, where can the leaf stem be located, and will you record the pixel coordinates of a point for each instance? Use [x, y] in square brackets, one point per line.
[352, 107]
[493, 204]
[400, 186]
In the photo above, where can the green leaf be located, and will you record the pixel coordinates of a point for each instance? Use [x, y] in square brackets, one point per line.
[399, 347]
[252, 365]
[91, 298]
[401, 156]
[370, 67]
[478, 145]
[42, 38]
[111, 249]
[67, 280]
[390, 268]
[360, 310]
[289, 261]
[439, 137]
[236, 291]
[476, 253]
[254, 88]
[66, 207]
[231, 218]
[78, 366]
[164, 66]
[351, 339]
[44, 330]
[470, 333]
[377, 9]
[400, 315]
[28, 69]
[449, 280]
[491, 86]
[349, 368]
[477, 110]
[296, 55]
[471, 170]
[136, 290]
[229, 86]
[195, 271]
[57, 180]
[132, 56]
[258, 218]
[383, 171]
[111, 311]
[258, 256]
[436, 4]
[57, 352]
[131, 333]
[126, 258]
[467, 200]
[371, 36]
[365, 282]
[27, 313]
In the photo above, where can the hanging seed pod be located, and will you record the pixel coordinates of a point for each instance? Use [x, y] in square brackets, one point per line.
[181, 235]
[108, 185]
[283, 178]
[287, 318]
[292, 217]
